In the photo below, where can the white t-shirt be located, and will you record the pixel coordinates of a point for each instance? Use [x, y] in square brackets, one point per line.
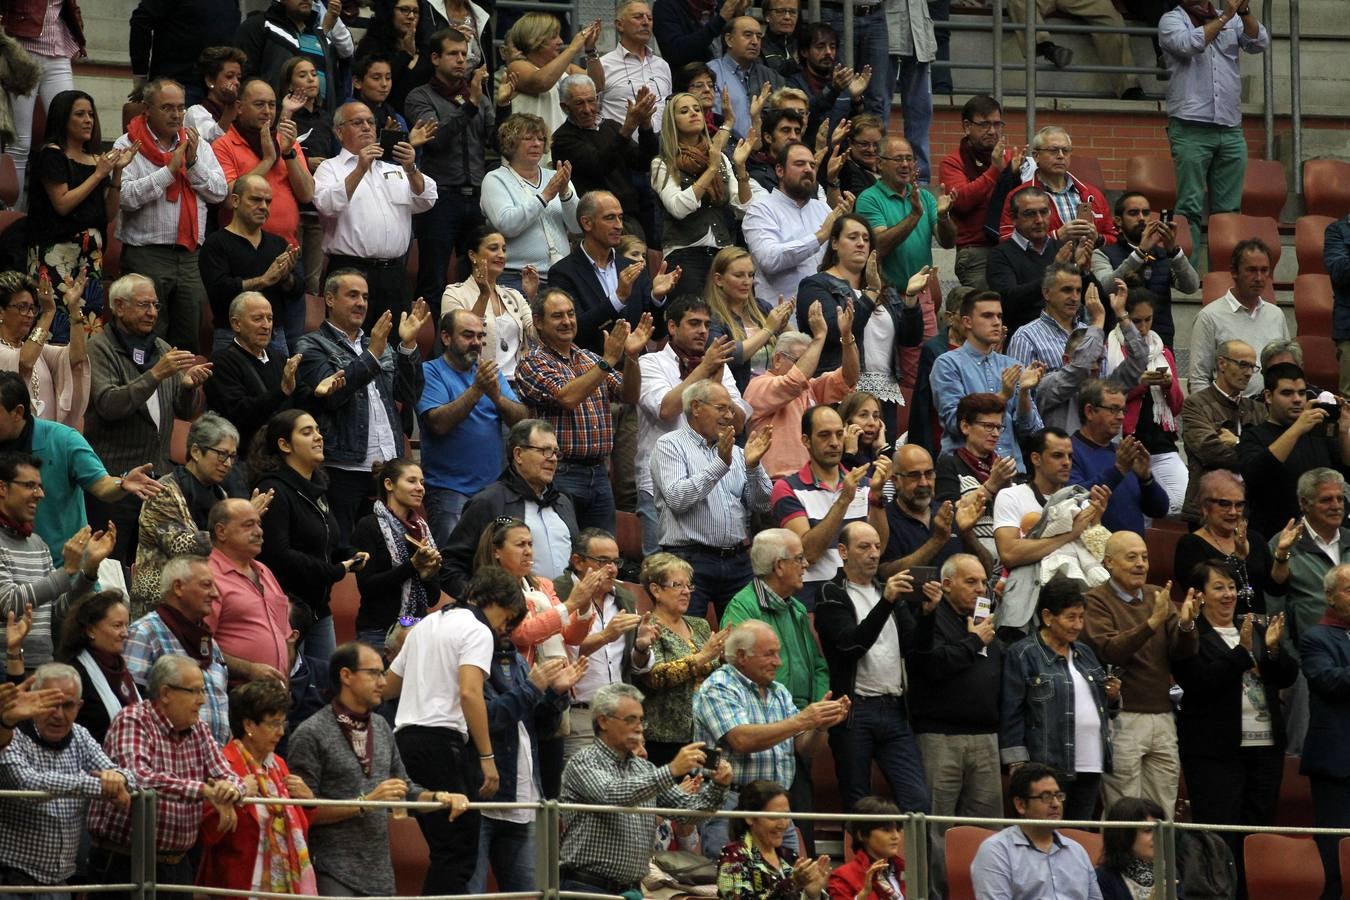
[879, 342]
[429, 664]
[606, 665]
[1087, 724]
[1256, 726]
[1012, 503]
[880, 671]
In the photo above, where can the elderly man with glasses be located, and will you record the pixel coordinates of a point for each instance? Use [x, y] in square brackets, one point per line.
[1078, 210]
[1213, 417]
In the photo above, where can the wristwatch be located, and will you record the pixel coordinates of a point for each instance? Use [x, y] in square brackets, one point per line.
[288, 155]
[604, 366]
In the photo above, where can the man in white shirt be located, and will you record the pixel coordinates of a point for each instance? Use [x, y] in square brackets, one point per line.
[442, 721]
[165, 189]
[632, 65]
[786, 230]
[1241, 314]
[366, 204]
[665, 376]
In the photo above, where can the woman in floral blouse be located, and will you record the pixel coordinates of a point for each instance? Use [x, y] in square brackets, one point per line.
[756, 865]
[683, 653]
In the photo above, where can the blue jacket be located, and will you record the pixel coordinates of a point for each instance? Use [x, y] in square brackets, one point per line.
[511, 700]
[1336, 258]
[1130, 500]
[344, 415]
[1325, 654]
[1037, 702]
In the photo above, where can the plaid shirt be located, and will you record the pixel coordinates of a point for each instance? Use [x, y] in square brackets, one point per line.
[175, 765]
[585, 432]
[149, 639]
[42, 839]
[728, 699]
[618, 846]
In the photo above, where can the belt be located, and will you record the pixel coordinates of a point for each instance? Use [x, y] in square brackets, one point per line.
[609, 884]
[466, 190]
[368, 262]
[585, 704]
[719, 552]
[171, 859]
[859, 9]
[584, 460]
[882, 698]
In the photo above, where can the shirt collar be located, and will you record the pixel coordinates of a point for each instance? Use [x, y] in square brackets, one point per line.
[1123, 595]
[1236, 307]
[609, 260]
[1317, 538]
[972, 352]
[262, 358]
[1020, 240]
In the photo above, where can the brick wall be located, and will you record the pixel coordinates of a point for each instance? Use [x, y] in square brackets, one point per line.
[1112, 137]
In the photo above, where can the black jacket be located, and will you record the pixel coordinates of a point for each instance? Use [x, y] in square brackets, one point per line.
[247, 391]
[953, 686]
[504, 497]
[93, 715]
[575, 274]
[831, 292]
[300, 543]
[380, 583]
[1016, 275]
[268, 48]
[682, 39]
[922, 415]
[1210, 723]
[167, 36]
[604, 160]
[844, 640]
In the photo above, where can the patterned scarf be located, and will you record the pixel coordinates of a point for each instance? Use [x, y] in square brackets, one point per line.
[356, 729]
[393, 529]
[22, 529]
[282, 863]
[1140, 872]
[981, 467]
[688, 361]
[114, 669]
[693, 162]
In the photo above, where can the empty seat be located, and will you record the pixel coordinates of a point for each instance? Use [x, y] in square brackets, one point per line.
[9, 181]
[1155, 177]
[1183, 229]
[344, 603]
[1226, 230]
[628, 535]
[963, 841]
[409, 854]
[1326, 187]
[1264, 188]
[1295, 808]
[1309, 235]
[1088, 169]
[1284, 867]
[1162, 554]
[1089, 840]
[1312, 306]
[1320, 364]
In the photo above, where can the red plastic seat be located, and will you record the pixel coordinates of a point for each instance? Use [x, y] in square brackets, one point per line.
[344, 603]
[9, 181]
[1089, 840]
[1285, 867]
[1088, 169]
[1183, 229]
[409, 853]
[1320, 364]
[1309, 235]
[1326, 187]
[962, 843]
[628, 535]
[1264, 188]
[1155, 177]
[1295, 809]
[1226, 230]
[130, 111]
[1313, 300]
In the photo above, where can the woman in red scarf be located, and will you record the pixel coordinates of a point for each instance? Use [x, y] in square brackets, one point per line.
[92, 640]
[268, 849]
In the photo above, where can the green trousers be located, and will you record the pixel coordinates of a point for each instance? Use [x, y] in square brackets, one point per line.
[1209, 159]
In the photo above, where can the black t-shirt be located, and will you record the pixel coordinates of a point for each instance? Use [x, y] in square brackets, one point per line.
[52, 166]
[1272, 495]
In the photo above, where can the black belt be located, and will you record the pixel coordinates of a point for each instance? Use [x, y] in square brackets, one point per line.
[584, 460]
[585, 704]
[719, 552]
[367, 262]
[859, 9]
[609, 884]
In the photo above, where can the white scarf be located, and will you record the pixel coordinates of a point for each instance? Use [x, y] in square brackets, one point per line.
[1115, 355]
[100, 683]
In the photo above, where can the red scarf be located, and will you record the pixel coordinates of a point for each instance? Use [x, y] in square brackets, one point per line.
[688, 361]
[194, 636]
[180, 189]
[981, 467]
[1334, 619]
[453, 91]
[356, 729]
[22, 529]
[114, 668]
[974, 163]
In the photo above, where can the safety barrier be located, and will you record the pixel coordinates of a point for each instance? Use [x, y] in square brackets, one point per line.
[547, 843]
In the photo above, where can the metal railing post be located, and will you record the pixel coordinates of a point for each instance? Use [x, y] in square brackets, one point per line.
[914, 838]
[1168, 845]
[848, 40]
[1268, 84]
[1295, 95]
[146, 858]
[997, 57]
[1030, 71]
[547, 849]
[138, 844]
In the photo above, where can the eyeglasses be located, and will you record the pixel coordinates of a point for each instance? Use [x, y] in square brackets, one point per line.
[866, 145]
[1049, 797]
[144, 305]
[358, 122]
[722, 408]
[407, 10]
[35, 486]
[1224, 504]
[993, 427]
[904, 158]
[1113, 410]
[677, 585]
[372, 672]
[601, 560]
[172, 107]
[1242, 364]
[546, 452]
[986, 125]
[631, 721]
[1053, 151]
[225, 455]
[800, 559]
[23, 309]
[197, 691]
[926, 474]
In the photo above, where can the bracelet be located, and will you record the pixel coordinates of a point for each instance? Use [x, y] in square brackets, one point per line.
[288, 155]
[1282, 559]
[487, 756]
[5, 725]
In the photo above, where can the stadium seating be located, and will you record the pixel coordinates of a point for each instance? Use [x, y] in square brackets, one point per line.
[1226, 230]
[1309, 233]
[1287, 868]
[1264, 188]
[1326, 187]
[1155, 178]
[962, 843]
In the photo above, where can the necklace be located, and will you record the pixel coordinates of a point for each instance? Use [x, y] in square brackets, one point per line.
[33, 381]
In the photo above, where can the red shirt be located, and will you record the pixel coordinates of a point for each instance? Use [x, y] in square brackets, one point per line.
[970, 209]
[250, 621]
[236, 158]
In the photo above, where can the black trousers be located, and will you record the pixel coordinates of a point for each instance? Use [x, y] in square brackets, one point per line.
[1239, 788]
[441, 759]
[1331, 809]
[351, 496]
[388, 285]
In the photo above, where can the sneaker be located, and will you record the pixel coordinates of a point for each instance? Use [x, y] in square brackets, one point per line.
[1133, 93]
[1060, 56]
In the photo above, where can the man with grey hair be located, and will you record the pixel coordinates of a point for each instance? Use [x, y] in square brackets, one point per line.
[164, 193]
[138, 385]
[163, 744]
[1212, 418]
[607, 155]
[632, 66]
[705, 489]
[790, 385]
[40, 841]
[1282, 350]
[744, 710]
[1051, 151]
[1017, 264]
[609, 853]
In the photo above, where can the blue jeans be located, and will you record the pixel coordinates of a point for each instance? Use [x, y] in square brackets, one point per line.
[878, 729]
[916, 103]
[590, 491]
[223, 337]
[716, 833]
[716, 579]
[509, 848]
[871, 47]
[941, 11]
[442, 230]
[651, 523]
[444, 507]
[318, 642]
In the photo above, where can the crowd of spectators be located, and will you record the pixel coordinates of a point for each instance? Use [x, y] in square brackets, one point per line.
[691, 280]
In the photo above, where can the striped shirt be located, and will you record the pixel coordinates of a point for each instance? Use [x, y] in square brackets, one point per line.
[55, 39]
[726, 700]
[1040, 341]
[28, 578]
[43, 839]
[701, 499]
[586, 432]
[148, 219]
[149, 639]
[800, 494]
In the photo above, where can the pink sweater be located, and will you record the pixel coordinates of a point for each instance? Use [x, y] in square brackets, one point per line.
[780, 400]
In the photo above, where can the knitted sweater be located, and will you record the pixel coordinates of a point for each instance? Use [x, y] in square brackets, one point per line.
[27, 577]
[1120, 633]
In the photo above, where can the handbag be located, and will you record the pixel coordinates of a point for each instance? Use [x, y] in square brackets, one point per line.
[686, 867]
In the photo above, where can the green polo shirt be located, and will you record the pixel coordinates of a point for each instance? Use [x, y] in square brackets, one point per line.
[884, 208]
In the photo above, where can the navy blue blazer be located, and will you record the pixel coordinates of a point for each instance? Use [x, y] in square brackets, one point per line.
[1324, 652]
[575, 273]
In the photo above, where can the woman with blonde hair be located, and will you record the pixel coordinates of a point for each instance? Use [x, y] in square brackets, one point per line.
[702, 190]
[540, 63]
[531, 206]
[730, 295]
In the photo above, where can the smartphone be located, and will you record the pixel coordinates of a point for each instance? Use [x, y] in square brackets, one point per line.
[984, 607]
[388, 138]
[1161, 370]
[711, 757]
[1085, 213]
[1167, 216]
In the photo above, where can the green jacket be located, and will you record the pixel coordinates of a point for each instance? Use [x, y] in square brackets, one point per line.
[803, 670]
[1301, 597]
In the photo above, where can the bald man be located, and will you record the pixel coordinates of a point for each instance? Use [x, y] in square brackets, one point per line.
[924, 532]
[1134, 626]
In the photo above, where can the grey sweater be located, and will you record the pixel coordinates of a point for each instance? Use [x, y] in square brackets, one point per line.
[354, 851]
[27, 578]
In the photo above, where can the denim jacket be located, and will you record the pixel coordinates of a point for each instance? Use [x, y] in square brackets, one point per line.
[512, 699]
[344, 415]
[1037, 701]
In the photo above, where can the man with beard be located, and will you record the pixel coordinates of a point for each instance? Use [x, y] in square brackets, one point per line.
[464, 405]
[978, 173]
[1146, 253]
[1212, 419]
[786, 230]
[740, 72]
[1243, 314]
[904, 217]
[924, 533]
[834, 92]
[244, 257]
